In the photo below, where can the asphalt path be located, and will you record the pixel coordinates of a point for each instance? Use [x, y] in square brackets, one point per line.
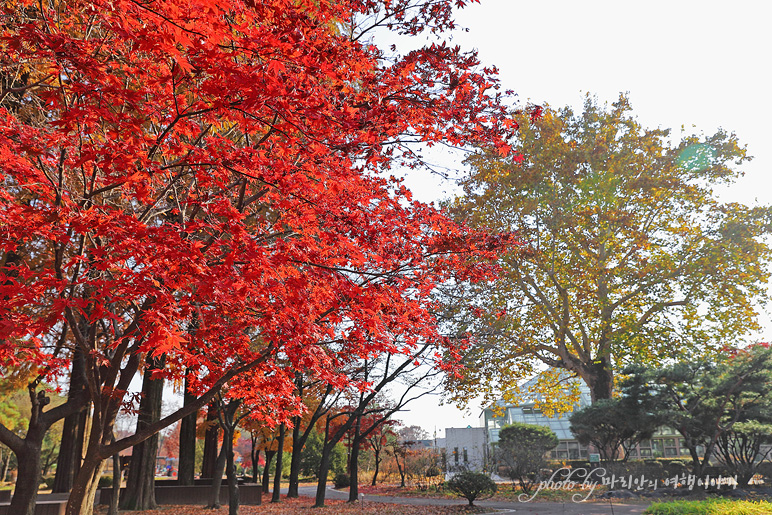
[533, 508]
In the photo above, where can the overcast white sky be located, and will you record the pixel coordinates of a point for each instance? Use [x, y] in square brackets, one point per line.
[688, 63]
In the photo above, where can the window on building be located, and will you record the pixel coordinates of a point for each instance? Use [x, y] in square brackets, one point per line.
[670, 447]
[560, 452]
[455, 455]
[657, 448]
[466, 456]
[644, 449]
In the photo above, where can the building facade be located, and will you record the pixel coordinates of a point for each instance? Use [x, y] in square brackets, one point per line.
[665, 443]
[466, 449]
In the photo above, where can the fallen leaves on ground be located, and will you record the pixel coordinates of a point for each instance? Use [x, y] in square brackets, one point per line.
[398, 491]
[303, 506]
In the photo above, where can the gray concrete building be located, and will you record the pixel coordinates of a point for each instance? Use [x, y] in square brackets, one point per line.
[466, 449]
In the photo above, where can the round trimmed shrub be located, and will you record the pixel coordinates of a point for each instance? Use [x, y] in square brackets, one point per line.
[472, 486]
[342, 480]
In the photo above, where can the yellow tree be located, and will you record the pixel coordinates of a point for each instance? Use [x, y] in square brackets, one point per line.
[628, 255]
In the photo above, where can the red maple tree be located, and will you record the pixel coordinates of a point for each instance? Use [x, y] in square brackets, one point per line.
[204, 180]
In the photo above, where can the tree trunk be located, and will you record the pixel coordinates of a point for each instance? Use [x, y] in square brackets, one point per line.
[299, 438]
[211, 439]
[297, 448]
[255, 459]
[401, 468]
[219, 469]
[329, 444]
[113, 508]
[276, 495]
[47, 461]
[324, 470]
[28, 451]
[697, 461]
[233, 487]
[706, 455]
[73, 432]
[84, 486]
[599, 378]
[353, 489]
[81, 500]
[140, 483]
[27, 479]
[227, 414]
[4, 464]
[70, 452]
[267, 470]
[353, 466]
[377, 452]
[187, 464]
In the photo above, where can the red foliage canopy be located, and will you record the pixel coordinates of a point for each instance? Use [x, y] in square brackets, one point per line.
[204, 179]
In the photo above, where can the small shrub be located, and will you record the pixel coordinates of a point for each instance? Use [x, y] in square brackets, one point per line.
[105, 482]
[472, 485]
[342, 480]
[433, 471]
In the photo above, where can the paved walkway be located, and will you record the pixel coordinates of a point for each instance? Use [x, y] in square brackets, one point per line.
[533, 508]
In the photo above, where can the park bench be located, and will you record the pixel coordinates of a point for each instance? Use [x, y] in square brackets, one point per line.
[52, 507]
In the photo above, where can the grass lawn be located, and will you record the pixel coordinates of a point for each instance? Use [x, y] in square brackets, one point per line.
[710, 507]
